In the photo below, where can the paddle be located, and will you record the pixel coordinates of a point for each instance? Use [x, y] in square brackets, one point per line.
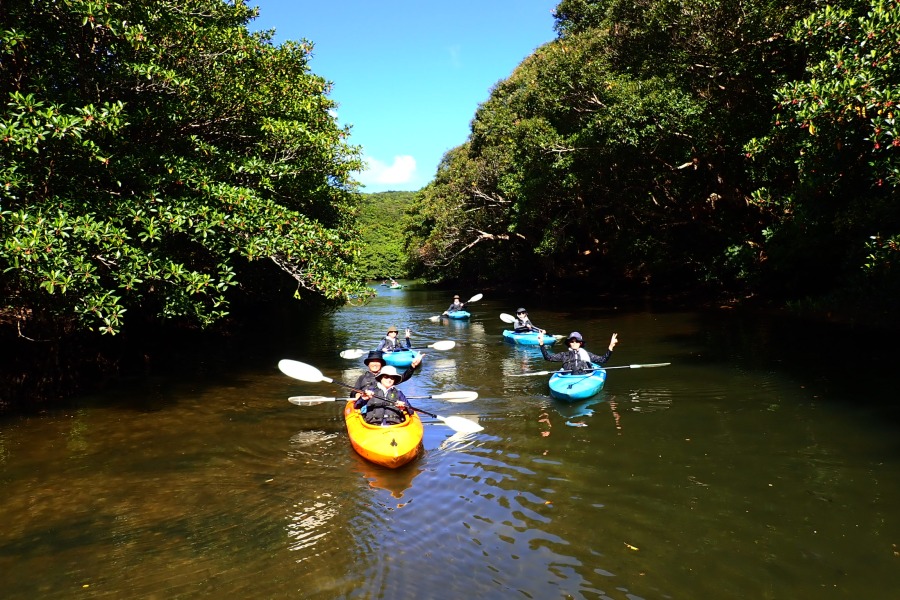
[474, 298]
[305, 372]
[442, 345]
[647, 366]
[456, 397]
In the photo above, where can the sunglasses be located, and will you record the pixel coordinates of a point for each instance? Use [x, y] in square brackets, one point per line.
[522, 313]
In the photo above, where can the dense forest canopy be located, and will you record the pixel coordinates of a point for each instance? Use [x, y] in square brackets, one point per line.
[158, 158]
[382, 218]
[736, 147]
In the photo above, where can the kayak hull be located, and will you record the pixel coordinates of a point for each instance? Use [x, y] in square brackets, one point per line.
[390, 446]
[529, 338]
[400, 358]
[566, 386]
[459, 314]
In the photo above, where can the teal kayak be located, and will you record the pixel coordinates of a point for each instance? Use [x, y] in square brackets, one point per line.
[458, 314]
[528, 338]
[400, 358]
[566, 386]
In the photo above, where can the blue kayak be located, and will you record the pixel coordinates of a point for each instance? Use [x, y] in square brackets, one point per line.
[566, 386]
[458, 314]
[528, 338]
[400, 358]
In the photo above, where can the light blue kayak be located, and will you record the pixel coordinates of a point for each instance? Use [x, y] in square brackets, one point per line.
[566, 386]
[528, 338]
[400, 358]
[459, 314]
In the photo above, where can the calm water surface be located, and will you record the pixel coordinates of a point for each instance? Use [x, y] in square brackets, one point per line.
[755, 466]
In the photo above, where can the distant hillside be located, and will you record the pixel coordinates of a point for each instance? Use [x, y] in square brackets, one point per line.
[381, 220]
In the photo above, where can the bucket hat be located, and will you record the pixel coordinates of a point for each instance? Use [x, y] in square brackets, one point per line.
[374, 355]
[388, 370]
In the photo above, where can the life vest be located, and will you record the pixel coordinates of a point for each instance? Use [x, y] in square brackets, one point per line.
[522, 325]
[391, 345]
[387, 412]
[577, 360]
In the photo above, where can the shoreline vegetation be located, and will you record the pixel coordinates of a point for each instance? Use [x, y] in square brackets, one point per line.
[168, 178]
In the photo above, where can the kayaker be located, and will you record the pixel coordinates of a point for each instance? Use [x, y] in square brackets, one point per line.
[576, 359]
[384, 404]
[457, 305]
[374, 363]
[390, 343]
[523, 324]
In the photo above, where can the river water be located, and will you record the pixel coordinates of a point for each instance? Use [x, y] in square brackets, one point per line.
[763, 463]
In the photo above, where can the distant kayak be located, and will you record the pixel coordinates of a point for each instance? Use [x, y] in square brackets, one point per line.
[528, 338]
[391, 446]
[458, 314]
[567, 386]
[400, 358]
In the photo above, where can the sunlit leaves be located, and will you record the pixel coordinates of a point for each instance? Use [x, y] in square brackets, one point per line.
[151, 150]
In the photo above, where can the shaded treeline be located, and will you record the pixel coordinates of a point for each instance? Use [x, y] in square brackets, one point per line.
[730, 148]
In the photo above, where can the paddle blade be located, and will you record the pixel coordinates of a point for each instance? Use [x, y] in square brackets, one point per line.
[648, 366]
[444, 345]
[311, 400]
[461, 424]
[476, 298]
[435, 318]
[301, 371]
[507, 318]
[352, 353]
[456, 396]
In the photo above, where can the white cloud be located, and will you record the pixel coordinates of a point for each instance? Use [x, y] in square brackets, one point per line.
[402, 170]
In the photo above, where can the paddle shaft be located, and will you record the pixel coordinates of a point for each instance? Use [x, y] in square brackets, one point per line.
[647, 366]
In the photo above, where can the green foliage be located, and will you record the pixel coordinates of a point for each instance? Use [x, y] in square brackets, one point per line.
[614, 150]
[643, 145]
[830, 164]
[150, 152]
[381, 220]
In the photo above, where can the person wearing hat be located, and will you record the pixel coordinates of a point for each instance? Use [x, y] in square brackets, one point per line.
[457, 305]
[390, 343]
[383, 403]
[576, 359]
[374, 363]
[523, 324]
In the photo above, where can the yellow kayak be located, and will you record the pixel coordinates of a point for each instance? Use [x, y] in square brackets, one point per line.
[391, 446]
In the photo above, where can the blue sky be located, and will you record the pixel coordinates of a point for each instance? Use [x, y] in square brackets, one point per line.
[409, 74]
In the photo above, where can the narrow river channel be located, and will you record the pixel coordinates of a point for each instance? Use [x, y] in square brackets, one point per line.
[764, 462]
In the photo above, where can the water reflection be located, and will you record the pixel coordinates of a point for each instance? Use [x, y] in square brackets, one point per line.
[727, 475]
[395, 481]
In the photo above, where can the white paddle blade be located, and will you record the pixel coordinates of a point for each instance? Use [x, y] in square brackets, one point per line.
[352, 353]
[456, 396]
[311, 400]
[435, 318]
[461, 424]
[507, 318]
[444, 345]
[302, 371]
[476, 298]
[648, 366]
